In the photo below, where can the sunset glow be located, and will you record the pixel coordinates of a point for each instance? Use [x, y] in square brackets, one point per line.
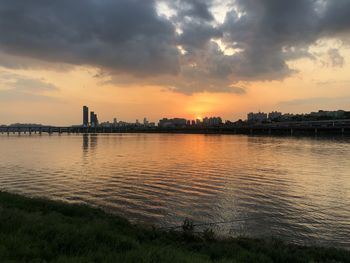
[187, 60]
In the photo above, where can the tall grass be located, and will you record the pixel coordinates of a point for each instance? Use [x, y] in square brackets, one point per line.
[35, 230]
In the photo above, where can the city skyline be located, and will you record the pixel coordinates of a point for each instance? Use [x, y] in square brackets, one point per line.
[182, 59]
[89, 118]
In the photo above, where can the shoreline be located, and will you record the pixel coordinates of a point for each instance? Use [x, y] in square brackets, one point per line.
[223, 133]
[296, 132]
[34, 229]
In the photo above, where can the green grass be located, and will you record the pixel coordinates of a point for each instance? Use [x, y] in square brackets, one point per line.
[35, 230]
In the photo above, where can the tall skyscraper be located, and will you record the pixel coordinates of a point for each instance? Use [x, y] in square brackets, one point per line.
[85, 116]
[92, 119]
[96, 120]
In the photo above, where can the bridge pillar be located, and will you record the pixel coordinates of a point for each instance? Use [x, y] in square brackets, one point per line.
[316, 131]
[291, 132]
[342, 131]
[270, 131]
[251, 131]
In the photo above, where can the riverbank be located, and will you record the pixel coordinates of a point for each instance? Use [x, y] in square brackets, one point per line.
[36, 230]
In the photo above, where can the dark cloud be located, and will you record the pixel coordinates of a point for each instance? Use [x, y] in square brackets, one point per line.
[193, 9]
[196, 35]
[270, 33]
[123, 35]
[130, 42]
[335, 17]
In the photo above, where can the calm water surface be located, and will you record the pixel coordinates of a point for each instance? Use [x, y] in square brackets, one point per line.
[290, 188]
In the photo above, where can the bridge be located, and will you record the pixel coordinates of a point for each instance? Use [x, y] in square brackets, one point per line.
[327, 127]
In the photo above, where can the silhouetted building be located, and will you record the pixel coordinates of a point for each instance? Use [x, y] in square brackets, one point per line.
[85, 116]
[93, 118]
[212, 121]
[275, 115]
[257, 117]
[172, 123]
[321, 114]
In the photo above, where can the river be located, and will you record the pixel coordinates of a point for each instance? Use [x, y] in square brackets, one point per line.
[295, 189]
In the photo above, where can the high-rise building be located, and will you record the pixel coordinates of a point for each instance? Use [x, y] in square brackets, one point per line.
[92, 119]
[96, 120]
[85, 116]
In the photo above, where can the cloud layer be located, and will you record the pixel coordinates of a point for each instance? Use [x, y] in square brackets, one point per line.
[184, 48]
[14, 87]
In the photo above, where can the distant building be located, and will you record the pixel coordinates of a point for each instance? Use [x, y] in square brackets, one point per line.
[106, 124]
[172, 123]
[287, 117]
[206, 121]
[257, 117]
[328, 114]
[85, 116]
[275, 115]
[145, 122]
[212, 121]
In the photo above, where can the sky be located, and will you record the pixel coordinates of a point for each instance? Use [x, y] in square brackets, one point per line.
[131, 59]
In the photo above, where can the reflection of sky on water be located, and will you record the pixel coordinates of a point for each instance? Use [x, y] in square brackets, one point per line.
[273, 183]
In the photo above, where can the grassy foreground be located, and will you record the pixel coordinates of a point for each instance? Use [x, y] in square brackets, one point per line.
[35, 230]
